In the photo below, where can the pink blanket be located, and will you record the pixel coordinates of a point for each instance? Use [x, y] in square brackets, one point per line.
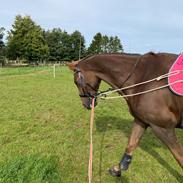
[175, 78]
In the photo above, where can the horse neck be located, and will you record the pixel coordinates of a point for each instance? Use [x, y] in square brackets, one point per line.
[117, 73]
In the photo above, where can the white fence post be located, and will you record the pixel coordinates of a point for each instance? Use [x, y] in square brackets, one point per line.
[54, 74]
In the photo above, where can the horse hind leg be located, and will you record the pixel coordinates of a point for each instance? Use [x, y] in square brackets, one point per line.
[168, 137]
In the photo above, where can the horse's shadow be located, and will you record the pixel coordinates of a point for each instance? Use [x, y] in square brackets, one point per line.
[109, 123]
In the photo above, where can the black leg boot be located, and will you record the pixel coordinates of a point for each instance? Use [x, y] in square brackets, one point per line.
[125, 161]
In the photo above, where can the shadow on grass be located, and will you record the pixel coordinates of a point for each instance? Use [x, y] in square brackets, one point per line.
[103, 129]
[113, 123]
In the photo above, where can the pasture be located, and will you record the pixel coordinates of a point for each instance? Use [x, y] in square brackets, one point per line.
[44, 134]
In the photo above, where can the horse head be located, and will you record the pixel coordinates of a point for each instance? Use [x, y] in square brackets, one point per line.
[87, 83]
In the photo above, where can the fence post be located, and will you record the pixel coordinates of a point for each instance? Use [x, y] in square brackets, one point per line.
[54, 75]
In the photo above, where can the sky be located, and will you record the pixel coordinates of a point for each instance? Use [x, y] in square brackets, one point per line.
[141, 25]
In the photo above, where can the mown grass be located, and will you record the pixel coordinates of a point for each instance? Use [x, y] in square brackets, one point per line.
[44, 134]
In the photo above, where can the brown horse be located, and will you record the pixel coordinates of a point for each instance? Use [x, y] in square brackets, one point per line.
[161, 110]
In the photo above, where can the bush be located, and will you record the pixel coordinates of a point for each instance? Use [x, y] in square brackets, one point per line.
[31, 169]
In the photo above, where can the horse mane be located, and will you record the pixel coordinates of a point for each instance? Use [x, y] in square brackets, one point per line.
[103, 54]
[151, 53]
[159, 54]
[131, 54]
[88, 56]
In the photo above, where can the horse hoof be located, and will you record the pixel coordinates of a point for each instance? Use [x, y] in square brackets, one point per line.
[115, 171]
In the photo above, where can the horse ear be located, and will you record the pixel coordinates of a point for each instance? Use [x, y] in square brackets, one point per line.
[72, 66]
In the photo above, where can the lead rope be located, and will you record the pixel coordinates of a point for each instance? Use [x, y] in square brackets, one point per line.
[91, 142]
[103, 95]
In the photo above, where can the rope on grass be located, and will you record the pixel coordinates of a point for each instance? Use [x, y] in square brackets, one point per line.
[91, 142]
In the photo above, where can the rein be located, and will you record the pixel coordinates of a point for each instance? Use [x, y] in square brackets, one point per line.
[103, 95]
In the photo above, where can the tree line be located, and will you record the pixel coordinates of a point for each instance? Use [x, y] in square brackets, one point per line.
[27, 41]
[2, 45]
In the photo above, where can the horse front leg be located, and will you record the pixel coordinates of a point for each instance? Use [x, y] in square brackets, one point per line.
[168, 137]
[133, 141]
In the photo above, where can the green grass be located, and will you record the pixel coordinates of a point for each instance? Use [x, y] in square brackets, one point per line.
[22, 70]
[31, 169]
[44, 134]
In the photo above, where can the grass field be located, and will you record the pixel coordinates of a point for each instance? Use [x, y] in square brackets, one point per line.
[44, 134]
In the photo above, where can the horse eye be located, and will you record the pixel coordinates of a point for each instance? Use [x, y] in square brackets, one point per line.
[77, 82]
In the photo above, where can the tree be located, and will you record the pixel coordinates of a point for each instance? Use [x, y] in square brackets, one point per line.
[64, 46]
[2, 45]
[105, 44]
[54, 39]
[115, 45]
[77, 45]
[26, 40]
[96, 45]
[2, 29]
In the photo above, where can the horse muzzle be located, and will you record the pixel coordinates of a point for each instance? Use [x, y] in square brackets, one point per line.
[88, 103]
